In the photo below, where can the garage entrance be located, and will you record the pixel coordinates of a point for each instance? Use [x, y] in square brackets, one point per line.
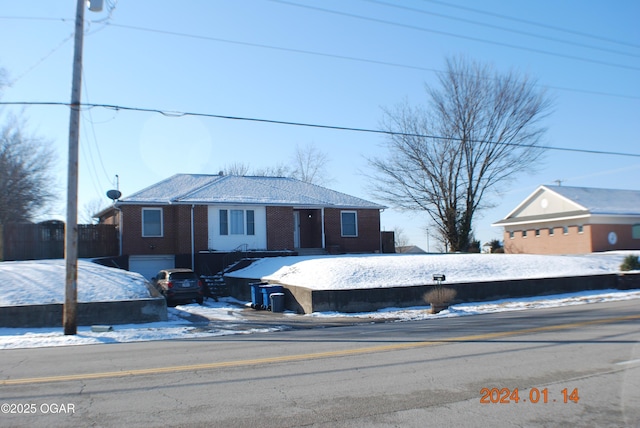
[149, 265]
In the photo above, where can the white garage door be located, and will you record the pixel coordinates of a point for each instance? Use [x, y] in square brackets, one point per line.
[148, 266]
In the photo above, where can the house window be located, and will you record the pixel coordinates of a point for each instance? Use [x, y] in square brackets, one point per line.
[537, 232]
[635, 231]
[224, 222]
[251, 224]
[551, 232]
[524, 233]
[232, 222]
[580, 229]
[152, 222]
[237, 222]
[511, 234]
[565, 230]
[349, 223]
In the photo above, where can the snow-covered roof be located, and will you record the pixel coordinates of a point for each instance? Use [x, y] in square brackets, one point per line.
[566, 202]
[233, 189]
[602, 201]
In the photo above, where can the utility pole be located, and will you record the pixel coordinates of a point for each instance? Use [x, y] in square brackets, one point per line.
[71, 228]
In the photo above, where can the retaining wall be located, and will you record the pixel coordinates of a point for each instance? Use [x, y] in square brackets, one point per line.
[305, 300]
[239, 287]
[151, 309]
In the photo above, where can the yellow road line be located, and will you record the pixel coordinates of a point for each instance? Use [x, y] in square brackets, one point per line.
[309, 356]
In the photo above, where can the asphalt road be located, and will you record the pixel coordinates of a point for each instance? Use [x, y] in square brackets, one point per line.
[572, 366]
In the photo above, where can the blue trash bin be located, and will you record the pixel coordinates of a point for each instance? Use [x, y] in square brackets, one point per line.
[267, 290]
[256, 295]
[277, 302]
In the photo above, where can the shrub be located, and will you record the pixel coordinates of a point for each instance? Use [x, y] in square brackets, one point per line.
[631, 262]
[439, 298]
[495, 246]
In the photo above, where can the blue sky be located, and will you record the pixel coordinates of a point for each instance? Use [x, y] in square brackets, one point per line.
[326, 62]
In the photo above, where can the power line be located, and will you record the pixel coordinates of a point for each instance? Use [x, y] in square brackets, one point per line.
[459, 36]
[336, 56]
[330, 55]
[97, 182]
[498, 27]
[35, 18]
[169, 113]
[443, 3]
[41, 60]
[536, 24]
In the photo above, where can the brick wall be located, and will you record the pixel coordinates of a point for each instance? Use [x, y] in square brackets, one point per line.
[624, 234]
[279, 228]
[176, 237]
[573, 242]
[593, 238]
[368, 239]
[110, 218]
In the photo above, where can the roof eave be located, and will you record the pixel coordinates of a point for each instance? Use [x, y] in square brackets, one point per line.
[254, 203]
[521, 221]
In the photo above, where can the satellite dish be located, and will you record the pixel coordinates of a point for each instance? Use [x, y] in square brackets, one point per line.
[114, 194]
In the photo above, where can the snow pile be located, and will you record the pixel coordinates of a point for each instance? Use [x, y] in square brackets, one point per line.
[226, 315]
[43, 282]
[377, 271]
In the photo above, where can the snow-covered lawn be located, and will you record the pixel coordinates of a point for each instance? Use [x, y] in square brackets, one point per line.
[35, 282]
[375, 271]
[42, 281]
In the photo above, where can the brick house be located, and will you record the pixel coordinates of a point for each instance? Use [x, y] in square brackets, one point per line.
[195, 213]
[573, 220]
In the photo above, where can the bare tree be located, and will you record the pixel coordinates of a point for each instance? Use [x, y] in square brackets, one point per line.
[236, 168]
[90, 209]
[310, 165]
[3, 80]
[402, 242]
[279, 170]
[25, 173]
[481, 128]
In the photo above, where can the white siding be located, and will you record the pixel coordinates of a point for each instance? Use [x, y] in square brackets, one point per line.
[546, 202]
[230, 241]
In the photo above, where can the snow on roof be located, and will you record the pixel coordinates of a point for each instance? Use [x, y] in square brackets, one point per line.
[171, 189]
[584, 201]
[232, 189]
[601, 201]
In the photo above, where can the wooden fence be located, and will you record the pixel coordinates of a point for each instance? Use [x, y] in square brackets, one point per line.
[25, 241]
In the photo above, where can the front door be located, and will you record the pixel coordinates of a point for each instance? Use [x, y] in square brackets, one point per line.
[307, 228]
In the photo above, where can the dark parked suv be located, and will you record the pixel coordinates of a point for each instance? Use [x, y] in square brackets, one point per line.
[178, 285]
